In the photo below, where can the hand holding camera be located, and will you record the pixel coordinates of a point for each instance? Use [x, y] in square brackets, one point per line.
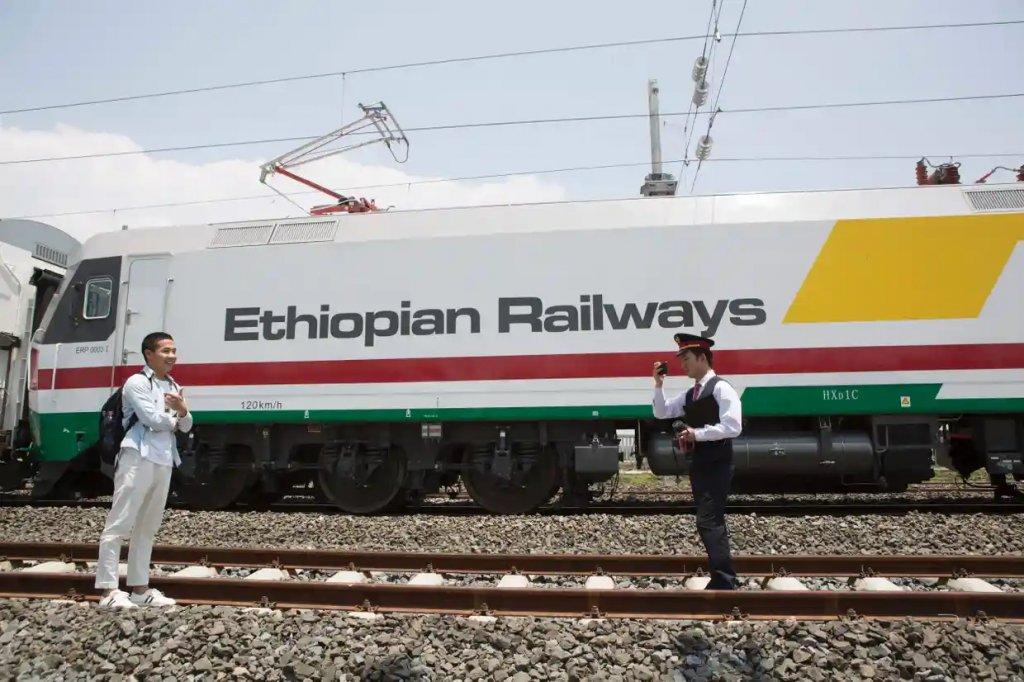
[685, 440]
[660, 370]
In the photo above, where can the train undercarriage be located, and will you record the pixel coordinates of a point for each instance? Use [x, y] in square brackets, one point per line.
[516, 467]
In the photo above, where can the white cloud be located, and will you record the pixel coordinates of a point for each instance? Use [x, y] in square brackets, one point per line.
[123, 181]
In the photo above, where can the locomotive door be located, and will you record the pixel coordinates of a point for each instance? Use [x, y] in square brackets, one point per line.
[145, 305]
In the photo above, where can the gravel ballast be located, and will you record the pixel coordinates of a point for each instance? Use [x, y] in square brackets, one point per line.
[48, 640]
[912, 533]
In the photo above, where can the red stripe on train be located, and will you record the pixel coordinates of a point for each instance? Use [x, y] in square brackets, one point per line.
[572, 366]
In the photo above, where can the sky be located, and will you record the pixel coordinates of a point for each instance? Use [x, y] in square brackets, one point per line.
[59, 52]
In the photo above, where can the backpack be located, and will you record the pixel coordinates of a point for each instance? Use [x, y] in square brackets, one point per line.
[112, 428]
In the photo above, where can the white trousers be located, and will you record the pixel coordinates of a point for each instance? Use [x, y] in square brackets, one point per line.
[140, 495]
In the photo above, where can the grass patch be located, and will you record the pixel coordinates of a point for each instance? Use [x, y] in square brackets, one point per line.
[645, 479]
[944, 475]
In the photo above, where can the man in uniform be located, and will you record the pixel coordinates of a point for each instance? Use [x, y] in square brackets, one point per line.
[713, 416]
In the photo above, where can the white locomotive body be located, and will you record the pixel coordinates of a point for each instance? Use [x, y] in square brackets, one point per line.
[387, 354]
[33, 259]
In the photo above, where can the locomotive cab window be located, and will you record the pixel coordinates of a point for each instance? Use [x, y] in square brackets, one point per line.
[96, 305]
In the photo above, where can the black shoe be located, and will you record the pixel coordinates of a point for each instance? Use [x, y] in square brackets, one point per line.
[720, 585]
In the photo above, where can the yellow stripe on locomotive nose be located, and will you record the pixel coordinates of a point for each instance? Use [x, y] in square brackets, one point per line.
[907, 269]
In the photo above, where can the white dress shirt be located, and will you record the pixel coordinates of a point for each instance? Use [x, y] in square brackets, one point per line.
[729, 407]
[152, 436]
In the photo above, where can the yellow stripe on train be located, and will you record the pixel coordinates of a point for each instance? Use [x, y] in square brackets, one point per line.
[907, 269]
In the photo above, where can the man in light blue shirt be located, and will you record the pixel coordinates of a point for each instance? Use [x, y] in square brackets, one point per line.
[142, 474]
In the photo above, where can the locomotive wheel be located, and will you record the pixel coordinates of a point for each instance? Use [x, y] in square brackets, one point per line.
[321, 489]
[364, 483]
[533, 481]
[216, 485]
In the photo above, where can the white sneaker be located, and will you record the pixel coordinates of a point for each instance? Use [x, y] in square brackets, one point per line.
[117, 600]
[151, 597]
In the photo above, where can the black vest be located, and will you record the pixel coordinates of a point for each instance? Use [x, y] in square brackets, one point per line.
[702, 412]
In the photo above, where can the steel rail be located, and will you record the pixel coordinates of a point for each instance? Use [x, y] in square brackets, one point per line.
[780, 508]
[669, 604]
[787, 507]
[929, 488]
[1011, 566]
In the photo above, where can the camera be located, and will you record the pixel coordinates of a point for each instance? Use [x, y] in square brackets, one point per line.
[684, 443]
[662, 368]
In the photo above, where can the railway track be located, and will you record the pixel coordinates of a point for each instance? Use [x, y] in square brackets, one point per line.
[354, 588]
[775, 507]
[1005, 566]
[782, 508]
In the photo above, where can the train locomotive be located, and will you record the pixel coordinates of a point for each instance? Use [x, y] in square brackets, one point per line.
[381, 356]
[33, 259]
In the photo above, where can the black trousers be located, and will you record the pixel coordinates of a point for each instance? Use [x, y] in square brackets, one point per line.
[710, 482]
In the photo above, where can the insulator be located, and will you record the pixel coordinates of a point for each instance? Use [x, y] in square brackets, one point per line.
[700, 93]
[945, 174]
[704, 147]
[700, 68]
[922, 173]
[1020, 174]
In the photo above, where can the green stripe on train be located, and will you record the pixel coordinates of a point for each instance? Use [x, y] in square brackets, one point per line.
[65, 434]
[866, 399]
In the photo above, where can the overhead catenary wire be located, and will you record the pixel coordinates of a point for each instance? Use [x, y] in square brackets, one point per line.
[721, 84]
[287, 198]
[495, 56]
[728, 60]
[688, 125]
[534, 121]
[509, 174]
[707, 31]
